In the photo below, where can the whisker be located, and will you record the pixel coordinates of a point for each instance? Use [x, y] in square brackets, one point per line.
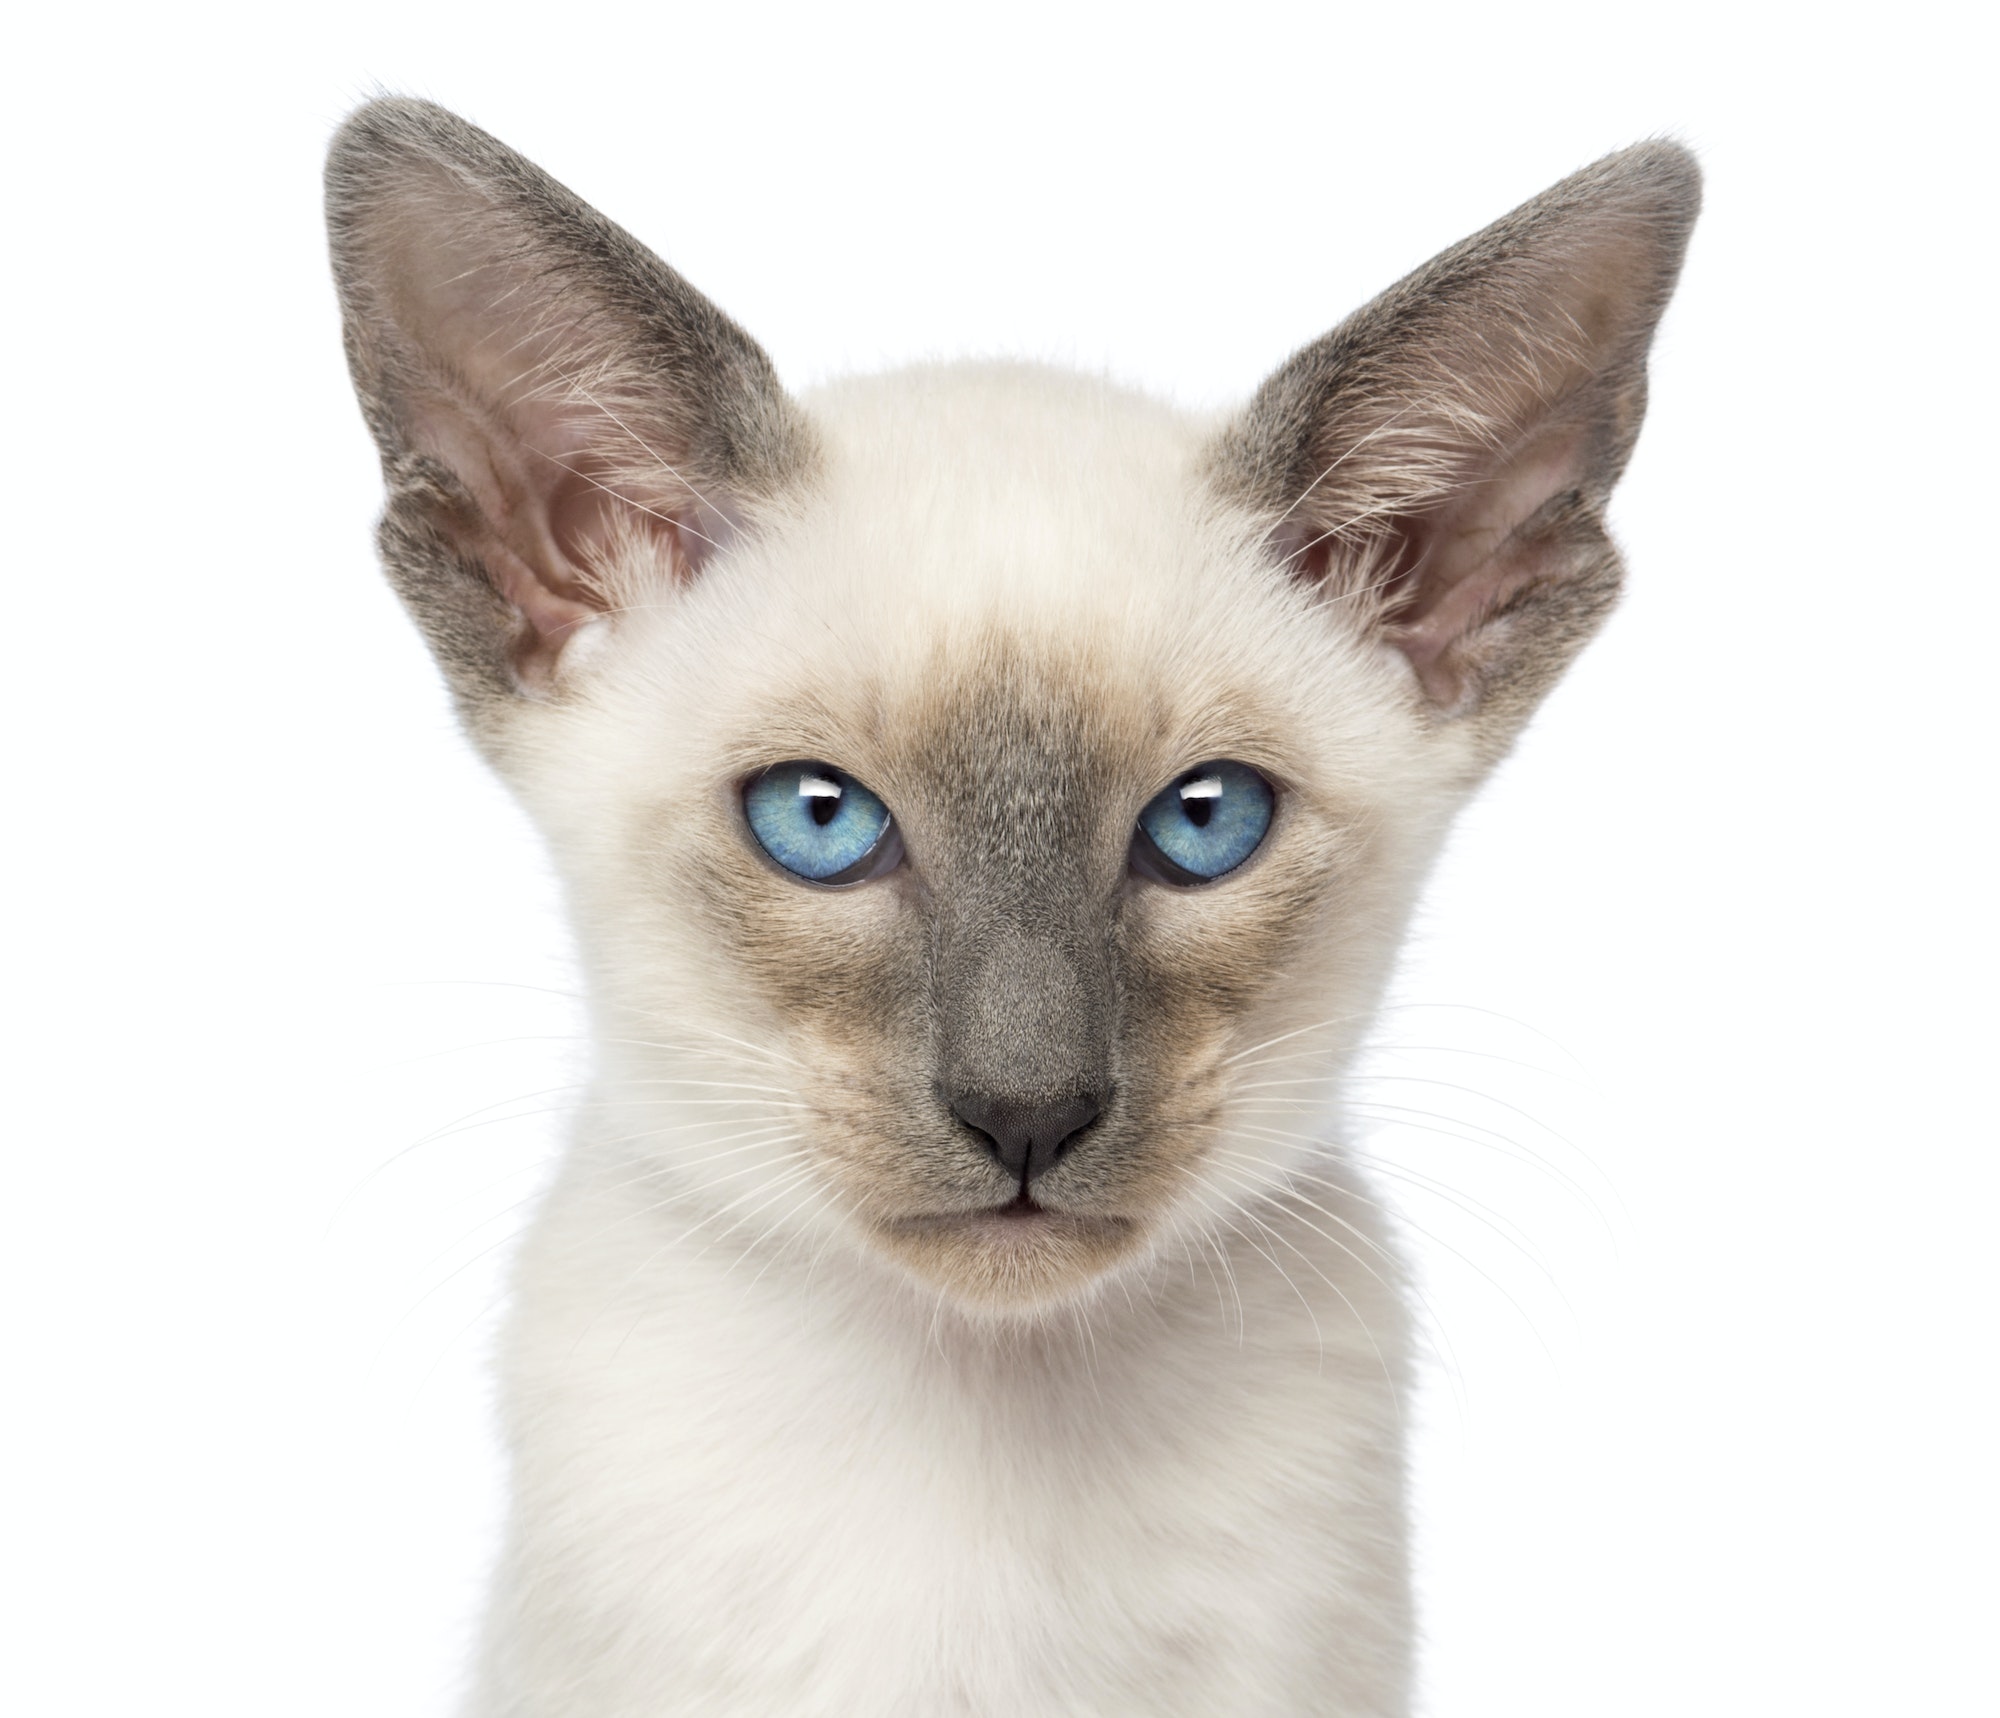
[1480, 1271]
[1296, 1032]
[1229, 1272]
[1282, 1190]
[785, 1184]
[1462, 1201]
[1485, 1139]
[1285, 1276]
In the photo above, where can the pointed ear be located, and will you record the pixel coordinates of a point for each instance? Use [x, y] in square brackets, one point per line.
[565, 425]
[1439, 463]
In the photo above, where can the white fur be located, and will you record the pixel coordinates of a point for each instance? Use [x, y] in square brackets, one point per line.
[761, 1471]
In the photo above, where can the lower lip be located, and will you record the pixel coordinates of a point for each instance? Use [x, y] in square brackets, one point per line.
[1022, 1224]
[1012, 1222]
[1018, 1230]
[1017, 1220]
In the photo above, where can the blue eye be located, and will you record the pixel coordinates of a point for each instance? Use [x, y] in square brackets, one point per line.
[820, 823]
[1206, 824]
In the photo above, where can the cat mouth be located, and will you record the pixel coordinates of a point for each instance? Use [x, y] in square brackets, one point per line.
[1021, 1208]
[1018, 1253]
[1022, 1218]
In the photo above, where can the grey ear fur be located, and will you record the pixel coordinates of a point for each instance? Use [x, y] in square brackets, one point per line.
[1438, 464]
[552, 403]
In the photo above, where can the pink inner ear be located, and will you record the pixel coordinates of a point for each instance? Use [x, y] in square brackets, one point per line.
[544, 524]
[1470, 557]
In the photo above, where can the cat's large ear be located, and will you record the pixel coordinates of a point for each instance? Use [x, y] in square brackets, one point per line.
[564, 422]
[1439, 463]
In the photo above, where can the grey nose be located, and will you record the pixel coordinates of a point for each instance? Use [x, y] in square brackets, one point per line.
[1026, 1135]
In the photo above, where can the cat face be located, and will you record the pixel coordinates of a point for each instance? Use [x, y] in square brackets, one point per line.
[1014, 672]
[963, 778]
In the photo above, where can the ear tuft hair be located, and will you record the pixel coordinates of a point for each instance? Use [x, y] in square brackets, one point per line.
[1440, 461]
[566, 426]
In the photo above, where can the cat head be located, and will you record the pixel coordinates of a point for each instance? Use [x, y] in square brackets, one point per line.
[963, 778]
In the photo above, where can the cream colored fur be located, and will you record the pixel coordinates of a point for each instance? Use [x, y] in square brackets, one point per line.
[814, 1408]
[762, 1471]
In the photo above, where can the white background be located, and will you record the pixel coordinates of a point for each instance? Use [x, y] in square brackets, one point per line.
[1700, 1012]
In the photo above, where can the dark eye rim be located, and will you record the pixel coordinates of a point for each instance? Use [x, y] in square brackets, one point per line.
[1146, 860]
[883, 857]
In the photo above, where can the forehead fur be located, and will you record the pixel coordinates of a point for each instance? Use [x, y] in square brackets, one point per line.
[988, 544]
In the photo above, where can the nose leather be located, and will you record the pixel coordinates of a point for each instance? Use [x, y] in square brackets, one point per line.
[1026, 1136]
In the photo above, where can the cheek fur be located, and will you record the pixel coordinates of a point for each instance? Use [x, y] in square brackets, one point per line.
[1199, 969]
[844, 985]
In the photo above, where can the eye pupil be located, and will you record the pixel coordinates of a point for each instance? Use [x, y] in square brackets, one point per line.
[825, 808]
[1199, 811]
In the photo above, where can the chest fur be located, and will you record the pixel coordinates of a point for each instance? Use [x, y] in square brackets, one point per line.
[768, 1501]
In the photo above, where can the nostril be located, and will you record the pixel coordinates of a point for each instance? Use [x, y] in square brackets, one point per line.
[1028, 1135]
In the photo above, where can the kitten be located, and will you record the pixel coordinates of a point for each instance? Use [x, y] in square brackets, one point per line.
[974, 788]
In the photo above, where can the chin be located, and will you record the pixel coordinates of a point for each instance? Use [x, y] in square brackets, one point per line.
[1016, 1258]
